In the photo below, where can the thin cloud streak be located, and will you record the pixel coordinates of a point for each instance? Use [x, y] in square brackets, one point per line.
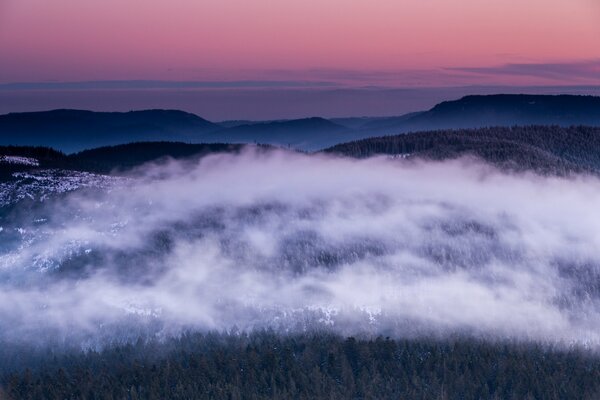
[154, 84]
[583, 71]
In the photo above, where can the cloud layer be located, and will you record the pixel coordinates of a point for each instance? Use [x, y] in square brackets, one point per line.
[294, 242]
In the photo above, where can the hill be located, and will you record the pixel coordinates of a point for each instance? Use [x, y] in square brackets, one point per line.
[75, 130]
[24, 158]
[305, 134]
[131, 155]
[376, 123]
[495, 110]
[544, 149]
[103, 159]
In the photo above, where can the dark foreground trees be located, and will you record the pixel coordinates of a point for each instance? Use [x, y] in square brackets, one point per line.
[265, 365]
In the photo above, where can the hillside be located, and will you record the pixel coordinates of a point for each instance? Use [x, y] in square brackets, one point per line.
[75, 130]
[127, 156]
[491, 110]
[545, 149]
[306, 134]
[503, 109]
[25, 158]
[102, 159]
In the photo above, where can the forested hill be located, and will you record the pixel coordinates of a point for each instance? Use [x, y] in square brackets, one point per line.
[103, 159]
[127, 156]
[544, 149]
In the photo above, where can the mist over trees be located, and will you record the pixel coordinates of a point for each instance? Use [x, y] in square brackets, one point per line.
[314, 363]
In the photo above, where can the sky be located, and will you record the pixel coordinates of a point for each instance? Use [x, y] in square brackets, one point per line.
[325, 43]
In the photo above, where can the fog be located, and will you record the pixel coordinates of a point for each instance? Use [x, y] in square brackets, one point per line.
[292, 242]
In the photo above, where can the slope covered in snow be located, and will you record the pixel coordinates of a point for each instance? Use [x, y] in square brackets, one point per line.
[39, 185]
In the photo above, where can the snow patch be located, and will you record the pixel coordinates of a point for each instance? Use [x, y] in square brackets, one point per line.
[41, 185]
[400, 156]
[18, 160]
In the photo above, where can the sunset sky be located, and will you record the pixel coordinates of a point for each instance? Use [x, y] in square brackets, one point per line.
[257, 58]
[426, 42]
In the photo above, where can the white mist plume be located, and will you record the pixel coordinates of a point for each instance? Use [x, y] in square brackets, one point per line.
[294, 242]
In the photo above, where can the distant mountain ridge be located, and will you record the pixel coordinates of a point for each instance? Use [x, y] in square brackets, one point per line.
[506, 110]
[306, 133]
[76, 130]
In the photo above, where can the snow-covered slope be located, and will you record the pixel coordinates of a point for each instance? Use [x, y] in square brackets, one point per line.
[39, 185]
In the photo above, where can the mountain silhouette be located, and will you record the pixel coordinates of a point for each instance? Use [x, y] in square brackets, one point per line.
[306, 134]
[496, 110]
[75, 130]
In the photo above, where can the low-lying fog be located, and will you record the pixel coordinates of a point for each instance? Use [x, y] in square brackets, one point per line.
[295, 242]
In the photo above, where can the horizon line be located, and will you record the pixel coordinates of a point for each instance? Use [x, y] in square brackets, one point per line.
[150, 84]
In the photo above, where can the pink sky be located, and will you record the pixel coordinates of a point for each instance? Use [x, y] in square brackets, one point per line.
[401, 42]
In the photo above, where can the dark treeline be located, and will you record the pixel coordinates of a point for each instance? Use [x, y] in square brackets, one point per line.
[42, 154]
[110, 158]
[127, 156]
[266, 365]
[543, 149]
[46, 156]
